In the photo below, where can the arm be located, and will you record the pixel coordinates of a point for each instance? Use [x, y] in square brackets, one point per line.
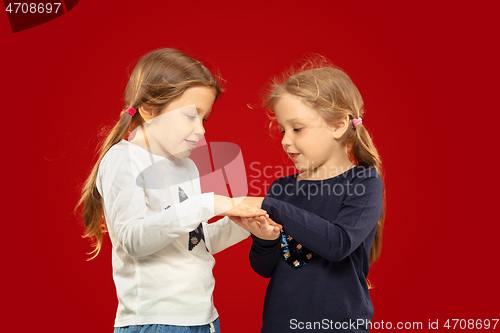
[264, 254]
[333, 240]
[139, 231]
[223, 234]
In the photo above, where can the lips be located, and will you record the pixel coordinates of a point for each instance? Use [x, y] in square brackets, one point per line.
[191, 144]
[294, 156]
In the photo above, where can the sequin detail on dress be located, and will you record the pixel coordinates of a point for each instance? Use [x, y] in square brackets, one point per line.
[294, 253]
[196, 235]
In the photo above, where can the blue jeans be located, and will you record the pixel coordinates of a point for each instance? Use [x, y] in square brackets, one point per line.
[158, 328]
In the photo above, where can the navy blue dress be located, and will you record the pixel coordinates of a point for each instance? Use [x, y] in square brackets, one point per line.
[319, 265]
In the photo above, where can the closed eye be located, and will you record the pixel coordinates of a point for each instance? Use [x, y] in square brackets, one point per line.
[295, 130]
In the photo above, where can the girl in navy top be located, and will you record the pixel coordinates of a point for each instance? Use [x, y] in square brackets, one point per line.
[331, 212]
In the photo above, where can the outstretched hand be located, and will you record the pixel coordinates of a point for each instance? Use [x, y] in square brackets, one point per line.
[255, 202]
[225, 206]
[260, 226]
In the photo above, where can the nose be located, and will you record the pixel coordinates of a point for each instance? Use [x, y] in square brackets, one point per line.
[286, 142]
[199, 130]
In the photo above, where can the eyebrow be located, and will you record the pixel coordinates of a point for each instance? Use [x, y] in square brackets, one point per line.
[200, 110]
[294, 119]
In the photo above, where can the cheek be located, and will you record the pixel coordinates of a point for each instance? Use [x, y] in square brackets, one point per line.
[186, 131]
[314, 145]
[308, 142]
[178, 129]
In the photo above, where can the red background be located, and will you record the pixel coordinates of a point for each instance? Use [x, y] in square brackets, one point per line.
[428, 74]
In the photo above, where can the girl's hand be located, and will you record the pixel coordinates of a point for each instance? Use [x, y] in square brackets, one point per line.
[261, 226]
[225, 206]
[254, 201]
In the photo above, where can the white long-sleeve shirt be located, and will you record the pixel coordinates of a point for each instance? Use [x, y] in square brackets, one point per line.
[158, 279]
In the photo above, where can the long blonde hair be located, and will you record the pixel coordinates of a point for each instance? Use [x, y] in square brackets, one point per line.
[158, 78]
[332, 93]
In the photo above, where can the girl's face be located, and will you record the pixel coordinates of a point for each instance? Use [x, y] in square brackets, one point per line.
[179, 126]
[309, 142]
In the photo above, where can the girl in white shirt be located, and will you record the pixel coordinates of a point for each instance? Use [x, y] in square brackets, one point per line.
[146, 193]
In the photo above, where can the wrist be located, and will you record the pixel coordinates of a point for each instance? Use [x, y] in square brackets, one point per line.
[221, 204]
[266, 242]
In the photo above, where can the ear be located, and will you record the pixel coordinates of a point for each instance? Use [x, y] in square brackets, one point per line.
[340, 127]
[146, 112]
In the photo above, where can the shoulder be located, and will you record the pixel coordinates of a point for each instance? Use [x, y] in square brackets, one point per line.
[118, 153]
[124, 156]
[363, 174]
[366, 179]
[281, 182]
[116, 167]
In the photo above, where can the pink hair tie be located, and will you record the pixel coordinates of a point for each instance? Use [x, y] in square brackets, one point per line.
[130, 111]
[356, 122]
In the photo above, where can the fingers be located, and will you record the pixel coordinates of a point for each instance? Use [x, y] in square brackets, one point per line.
[243, 211]
[270, 222]
[264, 226]
[249, 224]
[260, 226]
[253, 212]
[250, 206]
[253, 223]
[267, 225]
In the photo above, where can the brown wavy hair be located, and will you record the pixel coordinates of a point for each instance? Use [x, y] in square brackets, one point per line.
[330, 91]
[158, 78]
